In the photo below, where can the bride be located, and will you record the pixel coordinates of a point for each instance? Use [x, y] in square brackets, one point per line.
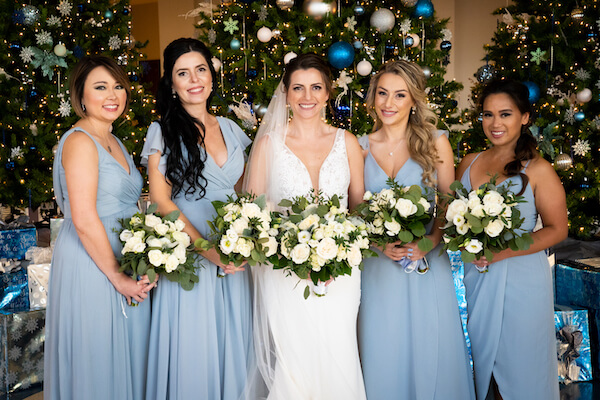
[306, 349]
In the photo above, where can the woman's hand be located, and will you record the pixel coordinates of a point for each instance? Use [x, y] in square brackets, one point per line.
[213, 256]
[484, 262]
[131, 289]
[396, 251]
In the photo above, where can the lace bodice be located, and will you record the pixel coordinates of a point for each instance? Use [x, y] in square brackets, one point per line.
[290, 178]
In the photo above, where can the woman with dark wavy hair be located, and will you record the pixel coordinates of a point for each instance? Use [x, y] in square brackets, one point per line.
[511, 322]
[200, 340]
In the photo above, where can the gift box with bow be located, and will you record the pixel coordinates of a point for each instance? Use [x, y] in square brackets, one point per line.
[573, 344]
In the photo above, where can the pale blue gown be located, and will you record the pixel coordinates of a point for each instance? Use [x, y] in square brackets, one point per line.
[511, 318]
[411, 340]
[201, 340]
[96, 345]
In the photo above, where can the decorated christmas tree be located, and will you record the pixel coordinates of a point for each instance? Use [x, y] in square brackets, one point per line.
[41, 44]
[252, 40]
[553, 47]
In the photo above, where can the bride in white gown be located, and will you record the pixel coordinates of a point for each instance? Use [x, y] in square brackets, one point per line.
[306, 349]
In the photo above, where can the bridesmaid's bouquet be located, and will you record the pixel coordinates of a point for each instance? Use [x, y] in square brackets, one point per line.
[157, 245]
[243, 231]
[398, 213]
[483, 222]
[320, 240]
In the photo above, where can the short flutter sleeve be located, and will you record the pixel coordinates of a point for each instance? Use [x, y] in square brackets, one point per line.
[154, 143]
[364, 142]
[237, 133]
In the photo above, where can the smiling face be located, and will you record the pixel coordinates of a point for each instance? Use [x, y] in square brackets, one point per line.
[502, 120]
[192, 79]
[103, 97]
[307, 94]
[393, 101]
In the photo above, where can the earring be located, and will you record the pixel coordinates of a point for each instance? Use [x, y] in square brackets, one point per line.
[412, 110]
[83, 107]
[289, 111]
[323, 114]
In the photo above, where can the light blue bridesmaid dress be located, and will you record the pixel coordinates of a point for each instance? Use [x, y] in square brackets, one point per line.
[201, 340]
[511, 318]
[411, 341]
[96, 345]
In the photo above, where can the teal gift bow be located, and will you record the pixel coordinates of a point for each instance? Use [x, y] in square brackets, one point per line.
[573, 339]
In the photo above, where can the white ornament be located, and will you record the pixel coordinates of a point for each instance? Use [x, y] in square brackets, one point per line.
[342, 82]
[263, 13]
[416, 39]
[216, 63]
[60, 50]
[43, 38]
[16, 152]
[114, 43]
[364, 68]
[7, 75]
[319, 8]
[350, 23]
[244, 112]
[212, 36]
[264, 34]
[64, 109]
[596, 123]
[405, 26]
[584, 95]
[284, 4]
[289, 57]
[570, 116]
[582, 74]
[383, 20]
[26, 54]
[446, 34]
[64, 7]
[53, 21]
[34, 129]
[581, 147]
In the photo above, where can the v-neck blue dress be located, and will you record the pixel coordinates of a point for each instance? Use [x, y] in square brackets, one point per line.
[511, 317]
[201, 340]
[411, 341]
[96, 345]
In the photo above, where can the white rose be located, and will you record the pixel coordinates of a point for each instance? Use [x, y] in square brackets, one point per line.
[507, 213]
[180, 253]
[309, 221]
[270, 246]
[426, 205]
[126, 234]
[477, 211]
[300, 253]
[152, 220]
[251, 210]
[171, 263]
[493, 197]
[392, 227]
[226, 245]
[392, 202]
[179, 225]
[474, 201]
[303, 236]
[166, 242]
[354, 256]
[379, 230]
[474, 246]
[318, 234]
[133, 241]
[367, 196]
[492, 209]
[406, 208]
[462, 229]
[171, 226]
[386, 194]
[135, 221]
[239, 225]
[313, 243]
[494, 228]
[327, 249]
[154, 242]
[232, 235]
[337, 228]
[378, 221]
[161, 229]
[457, 206]
[155, 257]
[228, 217]
[139, 234]
[244, 247]
[182, 237]
[316, 262]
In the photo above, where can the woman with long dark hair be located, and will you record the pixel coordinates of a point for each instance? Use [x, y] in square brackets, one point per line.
[200, 340]
[511, 323]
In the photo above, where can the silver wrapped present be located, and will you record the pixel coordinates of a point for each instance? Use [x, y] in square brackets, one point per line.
[38, 275]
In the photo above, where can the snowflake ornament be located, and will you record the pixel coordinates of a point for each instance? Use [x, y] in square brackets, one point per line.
[26, 54]
[538, 56]
[350, 23]
[581, 147]
[212, 36]
[53, 21]
[582, 74]
[405, 26]
[114, 43]
[231, 25]
[446, 34]
[570, 116]
[596, 123]
[43, 38]
[263, 13]
[64, 8]
[64, 109]
[16, 152]
[31, 325]
[14, 353]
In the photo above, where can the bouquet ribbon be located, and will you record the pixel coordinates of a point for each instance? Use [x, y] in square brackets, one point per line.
[420, 266]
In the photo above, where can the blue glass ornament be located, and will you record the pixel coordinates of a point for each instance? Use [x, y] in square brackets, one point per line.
[134, 78]
[235, 44]
[409, 41]
[15, 45]
[534, 91]
[80, 8]
[424, 8]
[579, 116]
[357, 44]
[18, 17]
[359, 9]
[10, 165]
[252, 73]
[340, 54]
[126, 11]
[78, 52]
[108, 14]
[446, 45]
[32, 93]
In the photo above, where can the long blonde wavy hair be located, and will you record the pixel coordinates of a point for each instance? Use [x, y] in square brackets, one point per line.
[420, 133]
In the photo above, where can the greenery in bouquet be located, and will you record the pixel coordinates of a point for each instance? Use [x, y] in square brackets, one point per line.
[243, 231]
[484, 221]
[397, 213]
[320, 240]
[157, 245]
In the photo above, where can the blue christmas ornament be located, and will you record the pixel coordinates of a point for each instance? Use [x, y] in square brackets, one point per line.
[78, 52]
[32, 93]
[18, 17]
[579, 116]
[424, 8]
[409, 41]
[340, 54]
[108, 14]
[357, 44]
[359, 9]
[252, 73]
[445, 45]
[80, 8]
[10, 165]
[15, 45]
[126, 11]
[534, 91]
[134, 78]
[235, 44]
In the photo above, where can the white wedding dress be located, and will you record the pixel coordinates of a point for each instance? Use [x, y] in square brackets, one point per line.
[307, 348]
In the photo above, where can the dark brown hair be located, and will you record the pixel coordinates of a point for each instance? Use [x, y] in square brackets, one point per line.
[307, 61]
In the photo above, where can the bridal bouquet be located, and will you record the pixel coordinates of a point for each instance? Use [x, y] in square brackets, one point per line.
[320, 240]
[483, 222]
[157, 245]
[243, 231]
[398, 213]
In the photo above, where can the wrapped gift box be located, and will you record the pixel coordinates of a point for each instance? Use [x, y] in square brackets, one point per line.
[37, 275]
[458, 273]
[14, 291]
[15, 242]
[573, 344]
[21, 350]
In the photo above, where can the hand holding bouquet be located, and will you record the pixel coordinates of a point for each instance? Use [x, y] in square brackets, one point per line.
[320, 241]
[398, 213]
[157, 245]
[242, 231]
[484, 222]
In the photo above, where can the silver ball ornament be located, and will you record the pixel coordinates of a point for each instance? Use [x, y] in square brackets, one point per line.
[264, 34]
[584, 95]
[563, 162]
[426, 72]
[285, 4]
[383, 20]
[409, 3]
[364, 68]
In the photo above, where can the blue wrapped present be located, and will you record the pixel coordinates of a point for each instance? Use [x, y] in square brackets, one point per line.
[458, 273]
[573, 344]
[14, 291]
[15, 242]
